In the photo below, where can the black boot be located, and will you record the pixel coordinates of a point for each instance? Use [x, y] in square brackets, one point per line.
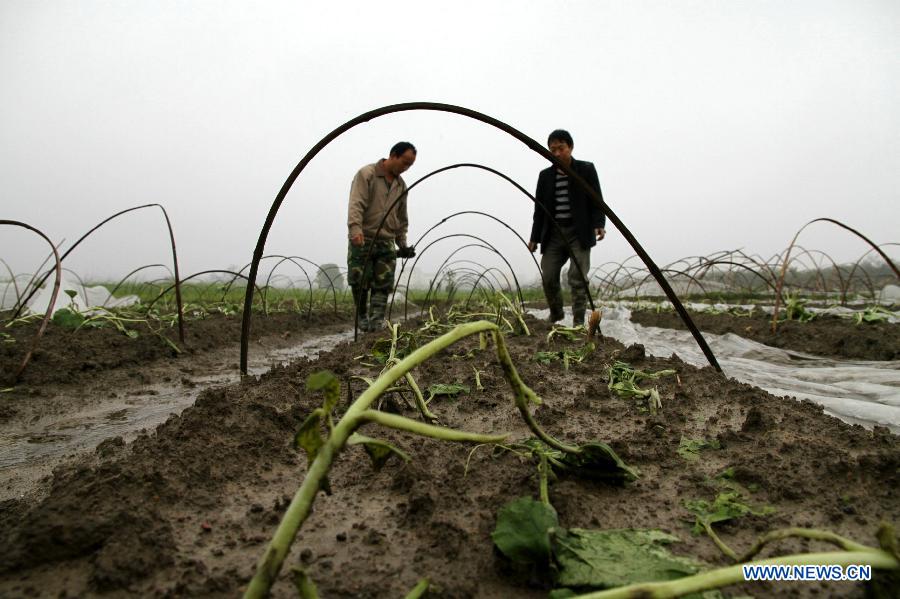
[578, 318]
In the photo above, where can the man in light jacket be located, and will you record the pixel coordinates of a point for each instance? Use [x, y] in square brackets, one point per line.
[377, 198]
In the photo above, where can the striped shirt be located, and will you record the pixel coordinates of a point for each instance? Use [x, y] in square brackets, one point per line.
[563, 211]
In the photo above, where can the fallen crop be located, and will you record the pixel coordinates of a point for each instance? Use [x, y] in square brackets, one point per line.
[322, 450]
[623, 380]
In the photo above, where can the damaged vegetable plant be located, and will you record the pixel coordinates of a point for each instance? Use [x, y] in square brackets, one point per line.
[322, 451]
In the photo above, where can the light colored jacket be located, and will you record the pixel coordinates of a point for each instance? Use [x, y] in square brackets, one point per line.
[370, 198]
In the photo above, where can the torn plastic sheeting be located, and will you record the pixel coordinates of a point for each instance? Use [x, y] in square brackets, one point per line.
[841, 311]
[86, 300]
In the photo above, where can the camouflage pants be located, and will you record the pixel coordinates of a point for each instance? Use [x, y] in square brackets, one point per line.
[378, 274]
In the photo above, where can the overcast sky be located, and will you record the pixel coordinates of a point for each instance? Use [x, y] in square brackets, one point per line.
[713, 125]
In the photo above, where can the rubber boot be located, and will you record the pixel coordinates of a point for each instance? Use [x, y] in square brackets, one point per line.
[379, 305]
[578, 318]
[556, 310]
[360, 300]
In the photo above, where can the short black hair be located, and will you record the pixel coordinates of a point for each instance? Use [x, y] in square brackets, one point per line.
[401, 147]
[561, 135]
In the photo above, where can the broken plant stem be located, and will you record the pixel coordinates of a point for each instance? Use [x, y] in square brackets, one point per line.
[719, 542]
[807, 533]
[524, 395]
[417, 393]
[722, 577]
[544, 474]
[427, 430]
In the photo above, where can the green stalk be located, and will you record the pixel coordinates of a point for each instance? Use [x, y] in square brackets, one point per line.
[722, 577]
[420, 400]
[719, 542]
[393, 361]
[269, 565]
[543, 474]
[524, 395]
[428, 430]
[418, 590]
[808, 533]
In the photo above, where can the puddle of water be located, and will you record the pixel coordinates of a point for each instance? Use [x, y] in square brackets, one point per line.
[856, 391]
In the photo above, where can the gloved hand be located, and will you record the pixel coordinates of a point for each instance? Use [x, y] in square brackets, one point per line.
[406, 252]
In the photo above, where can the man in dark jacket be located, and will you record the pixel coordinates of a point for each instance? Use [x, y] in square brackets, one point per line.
[580, 226]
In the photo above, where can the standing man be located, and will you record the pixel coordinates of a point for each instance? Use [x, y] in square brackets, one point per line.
[581, 226]
[373, 192]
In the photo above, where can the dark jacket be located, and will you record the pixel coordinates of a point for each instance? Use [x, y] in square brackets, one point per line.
[586, 216]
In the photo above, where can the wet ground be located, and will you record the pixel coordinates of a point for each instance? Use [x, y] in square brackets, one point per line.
[186, 508]
[44, 423]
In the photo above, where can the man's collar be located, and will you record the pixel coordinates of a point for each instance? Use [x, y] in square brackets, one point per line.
[379, 168]
[559, 170]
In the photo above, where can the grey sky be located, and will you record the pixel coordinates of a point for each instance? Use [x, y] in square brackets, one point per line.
[713, 125]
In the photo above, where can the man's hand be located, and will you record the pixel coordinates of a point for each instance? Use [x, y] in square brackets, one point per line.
[358, 239]
[532, 245]
[601, 233]
[406, 252]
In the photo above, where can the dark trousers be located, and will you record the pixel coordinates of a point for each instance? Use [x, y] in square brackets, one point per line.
[554, 257]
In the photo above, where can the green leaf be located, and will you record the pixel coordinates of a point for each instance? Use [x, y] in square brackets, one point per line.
[727, 505]
[379, 451]
[131, 333]
[381, 350]
[545, 357]
[689, 449]
[611, 558]
[324, 380]
[308, 437]
[451, 390]
[70, 292]
[522, 532]
[595, 461]
[598, 461]
[68, 319]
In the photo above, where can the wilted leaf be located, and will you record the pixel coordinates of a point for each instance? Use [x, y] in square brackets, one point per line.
[595, 461]
[598, 461]
[522, 532]
[325, 381]
[381, 350]
[449, 390]
[689, 449]
[726, 506]
[545, 357]
[68, 319]
[610, 558]
[379, 451]
[309, 438]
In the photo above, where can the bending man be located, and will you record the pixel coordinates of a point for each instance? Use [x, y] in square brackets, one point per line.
[374, 190]
[581, 225]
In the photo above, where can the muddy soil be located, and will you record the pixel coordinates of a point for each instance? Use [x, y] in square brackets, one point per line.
[68, 356]
[827, 336]
[188, 508]
[45, 424]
